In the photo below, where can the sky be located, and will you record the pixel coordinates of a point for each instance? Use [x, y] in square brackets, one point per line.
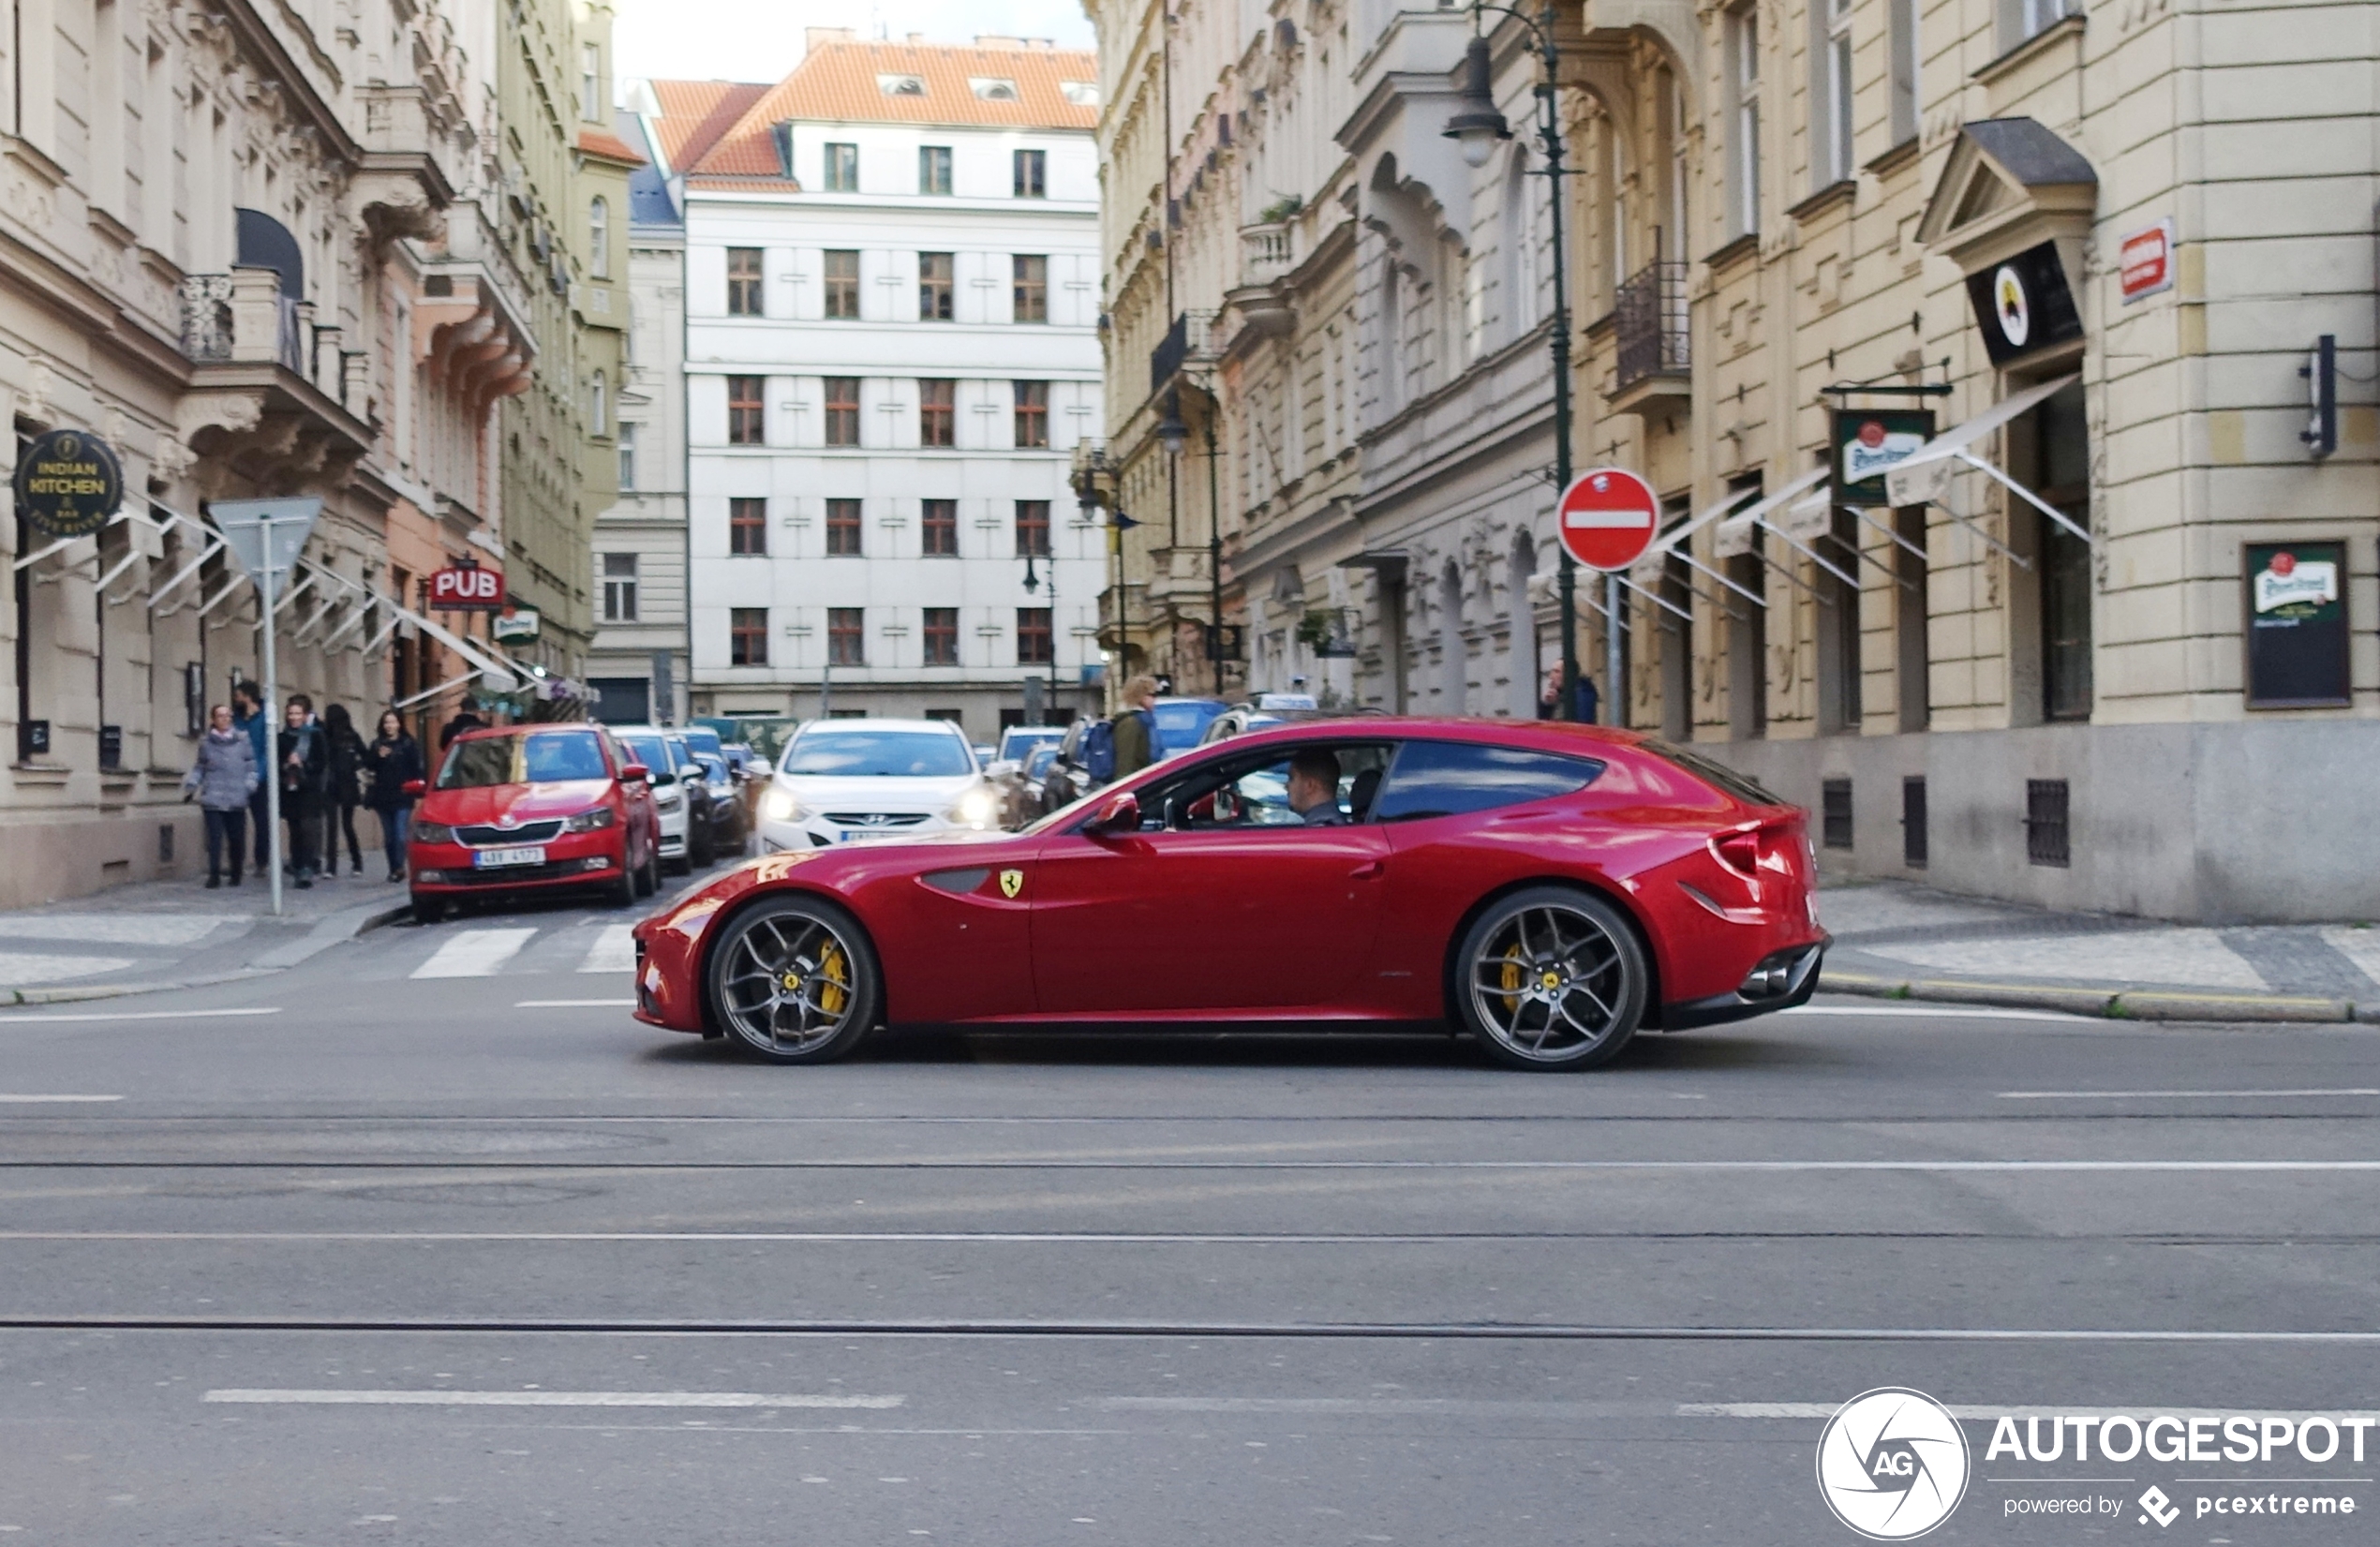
[742, 40]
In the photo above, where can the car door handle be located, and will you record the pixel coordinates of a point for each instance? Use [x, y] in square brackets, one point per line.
[1367, 870]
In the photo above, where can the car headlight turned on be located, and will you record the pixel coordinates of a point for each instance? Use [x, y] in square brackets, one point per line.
[432, 832]
[977, 807]
[778, 805]
[587, 821]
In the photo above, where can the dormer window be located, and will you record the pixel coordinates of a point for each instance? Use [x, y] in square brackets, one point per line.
[1082, 94]
[901, 85]
[993, 88]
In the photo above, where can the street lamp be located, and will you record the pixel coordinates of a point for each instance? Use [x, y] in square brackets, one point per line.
[1478, 125]
[1033, 582]
[1171, 432]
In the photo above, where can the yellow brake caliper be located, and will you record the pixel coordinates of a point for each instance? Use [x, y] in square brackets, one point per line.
[1509, 979]
[830, 967]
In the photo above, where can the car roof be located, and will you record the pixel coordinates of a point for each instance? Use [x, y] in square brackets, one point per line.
[489, 733]
[1552, 736]
[872, 723]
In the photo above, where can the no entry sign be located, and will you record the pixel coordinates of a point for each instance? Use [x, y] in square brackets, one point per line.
[1608, 516]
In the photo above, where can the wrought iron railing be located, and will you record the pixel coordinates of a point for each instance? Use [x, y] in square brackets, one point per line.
[1649, 320]
[206, 317]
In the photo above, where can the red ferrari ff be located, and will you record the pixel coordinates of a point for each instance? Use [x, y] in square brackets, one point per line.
[522, 809]
[1549, 888]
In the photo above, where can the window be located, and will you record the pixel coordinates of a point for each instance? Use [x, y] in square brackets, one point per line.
[938, 527]
[842, 282]
[747, 410]
[1032, 528]
[842, 529]
[1901, 21]
[2062, 476]
[599, 239]
[743, 282]
[1831, 131]
[842, 411]
[1449, 778]
[747, 526]
[590, 82]
[933, 286]
[748, 636]
[843, 168]
[1255, 792]
[1037, 645]
[993, 88]
[901, 85]
[937, 413]
[2030, 18]
[1835, 812]
[620, 588]
[1032, 174]
[1031, 275]
[1743, 80]
[599, 405]
[933, 167]
[1032, 413]
[2047, 831]
[627, 455]
[846, 640]
[941, 637]
[1913, 823]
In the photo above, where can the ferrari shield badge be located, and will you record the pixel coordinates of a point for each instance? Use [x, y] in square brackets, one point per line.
[1011, 883]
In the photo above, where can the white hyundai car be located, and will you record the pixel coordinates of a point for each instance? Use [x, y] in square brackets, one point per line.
[850, 781]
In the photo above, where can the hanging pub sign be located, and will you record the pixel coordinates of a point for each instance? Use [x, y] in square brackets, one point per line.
[466, 587]
[514, 623]
[2296, 625]
[2024, 305]
[1869, 441]
[68, 483]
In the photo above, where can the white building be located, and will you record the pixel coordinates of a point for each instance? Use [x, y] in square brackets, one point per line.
[892, 305]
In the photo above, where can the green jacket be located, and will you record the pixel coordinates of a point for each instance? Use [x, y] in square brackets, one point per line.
[1131, 738]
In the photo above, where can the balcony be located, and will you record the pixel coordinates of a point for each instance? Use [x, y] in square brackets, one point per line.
[1650, 327]
[1261, 303]
[269, 388]
[1267, 251]
[1188, 342]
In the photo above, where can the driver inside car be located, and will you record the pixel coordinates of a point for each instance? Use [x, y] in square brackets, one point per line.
[1314, 788]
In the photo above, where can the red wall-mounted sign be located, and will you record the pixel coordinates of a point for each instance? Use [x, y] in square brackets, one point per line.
[466, 587]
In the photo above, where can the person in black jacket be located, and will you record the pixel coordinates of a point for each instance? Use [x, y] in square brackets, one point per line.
[304, 765]
[346, 790]
[392, 758]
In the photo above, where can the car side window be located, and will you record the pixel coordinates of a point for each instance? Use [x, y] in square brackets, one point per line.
[1453, 778]
[1254, 791]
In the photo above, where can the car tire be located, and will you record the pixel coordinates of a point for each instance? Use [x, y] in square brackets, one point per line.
[762, 973]
[683, 864]
[648, 877]
[1551, 979]
[700, 855]
[428, 910]
[621, 891]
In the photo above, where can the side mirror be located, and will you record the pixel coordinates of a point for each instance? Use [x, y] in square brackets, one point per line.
[634, 773]
[1120, 815]
[416, 788]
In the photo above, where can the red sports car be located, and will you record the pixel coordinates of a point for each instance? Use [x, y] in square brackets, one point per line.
[1548, 887]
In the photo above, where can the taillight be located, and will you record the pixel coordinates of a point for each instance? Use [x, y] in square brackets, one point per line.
[1739, 852]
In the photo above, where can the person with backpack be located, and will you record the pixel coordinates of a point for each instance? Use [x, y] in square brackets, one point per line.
[1135, 727]
[345, 790]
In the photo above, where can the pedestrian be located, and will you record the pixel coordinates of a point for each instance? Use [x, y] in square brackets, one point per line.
[1549, 702]
[346, 749]
[393, 760]
[1135, 727]
[248, 713]
[306, 776]
[466, 719]
[222, 781]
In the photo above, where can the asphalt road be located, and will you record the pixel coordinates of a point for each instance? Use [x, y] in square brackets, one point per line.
[351, 1254]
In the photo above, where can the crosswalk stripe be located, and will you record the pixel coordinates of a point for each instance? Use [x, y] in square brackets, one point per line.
[475, 953]
[614, 951]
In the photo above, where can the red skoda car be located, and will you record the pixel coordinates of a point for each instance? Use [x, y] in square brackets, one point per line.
[528, 810]
[1551, 890]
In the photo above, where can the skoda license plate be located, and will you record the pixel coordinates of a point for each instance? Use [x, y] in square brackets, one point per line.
[489, 859]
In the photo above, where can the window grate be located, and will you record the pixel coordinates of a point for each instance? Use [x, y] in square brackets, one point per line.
[1912, 824]
[1834, 806]
[2045, 825]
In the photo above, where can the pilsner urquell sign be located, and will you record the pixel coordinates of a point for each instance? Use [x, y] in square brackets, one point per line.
[68, 483]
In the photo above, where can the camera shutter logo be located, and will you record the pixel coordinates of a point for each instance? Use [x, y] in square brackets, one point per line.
[1893, 1464]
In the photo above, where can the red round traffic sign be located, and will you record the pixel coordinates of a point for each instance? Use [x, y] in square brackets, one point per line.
[1607, 518]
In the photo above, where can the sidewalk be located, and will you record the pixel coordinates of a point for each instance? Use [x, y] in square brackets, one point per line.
[1903, 942]
[168, 934]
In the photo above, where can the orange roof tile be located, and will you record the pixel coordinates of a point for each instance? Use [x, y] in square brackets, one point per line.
[610, 146]
[695, 114]
[838, 82]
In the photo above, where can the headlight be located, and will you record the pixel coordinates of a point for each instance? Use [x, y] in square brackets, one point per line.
[979, 808]
[587, 821]
[432, 832]
[778, 805]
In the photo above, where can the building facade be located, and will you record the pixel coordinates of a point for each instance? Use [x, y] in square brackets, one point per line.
[891, 279]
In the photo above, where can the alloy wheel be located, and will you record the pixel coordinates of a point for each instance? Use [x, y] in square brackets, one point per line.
[790, 984]
[1553, 981]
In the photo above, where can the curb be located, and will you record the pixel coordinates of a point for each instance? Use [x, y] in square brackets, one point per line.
[326, 932]
[2111, 1004]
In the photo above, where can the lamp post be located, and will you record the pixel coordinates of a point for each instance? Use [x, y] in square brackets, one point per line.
[1033, 582]
[1096, 485]
[1480, 126]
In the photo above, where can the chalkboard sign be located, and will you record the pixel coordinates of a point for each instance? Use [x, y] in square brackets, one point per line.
[2296, 625]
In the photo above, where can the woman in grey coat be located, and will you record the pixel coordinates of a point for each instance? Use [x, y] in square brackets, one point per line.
[221, 781]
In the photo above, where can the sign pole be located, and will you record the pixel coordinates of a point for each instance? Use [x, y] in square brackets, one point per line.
[273, 716]
[248, 528]
[1613, 687]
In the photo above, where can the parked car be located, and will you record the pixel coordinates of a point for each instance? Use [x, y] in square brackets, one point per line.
[653, 746]
[1012, 771]
[1065, 780]
[849, 780]
[1181, 722]
[521, 811]
[730, 820]
[1030, 775]
[1262, 710]
[1549, 889]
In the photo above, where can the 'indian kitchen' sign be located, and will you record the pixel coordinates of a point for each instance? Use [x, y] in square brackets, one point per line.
[68, 483]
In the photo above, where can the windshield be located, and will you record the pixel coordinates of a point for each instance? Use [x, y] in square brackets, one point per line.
[647, 750]
[547, 757]
[878, 755]
[1181, 723]
[1020, 741]
[702, 738]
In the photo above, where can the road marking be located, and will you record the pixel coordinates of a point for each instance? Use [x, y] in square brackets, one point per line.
[2174, 1096]
[554, 1398]
[475, 953]
[1828, 1409]
[615, 950]
[575, 1004]
[971, 1163]
[12, 1019]
[43, 1098]
[1929, 1012]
